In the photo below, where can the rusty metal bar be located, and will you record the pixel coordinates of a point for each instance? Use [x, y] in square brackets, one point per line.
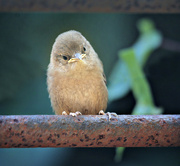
[110, 6]
[89, 131]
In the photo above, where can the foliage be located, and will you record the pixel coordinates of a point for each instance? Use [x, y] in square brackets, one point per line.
[128, 73]
[149, 39]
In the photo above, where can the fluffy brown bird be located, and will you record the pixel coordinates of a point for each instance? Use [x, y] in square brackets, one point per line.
[75, 77]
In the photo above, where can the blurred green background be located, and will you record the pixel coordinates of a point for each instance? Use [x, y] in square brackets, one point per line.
[25, 45]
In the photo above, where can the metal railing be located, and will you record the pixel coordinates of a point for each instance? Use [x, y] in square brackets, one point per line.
[108, 6]
[89, 131]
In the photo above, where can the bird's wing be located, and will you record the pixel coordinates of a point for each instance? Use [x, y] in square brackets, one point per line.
[104, 76]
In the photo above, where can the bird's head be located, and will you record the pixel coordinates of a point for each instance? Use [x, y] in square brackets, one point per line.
[71, 50]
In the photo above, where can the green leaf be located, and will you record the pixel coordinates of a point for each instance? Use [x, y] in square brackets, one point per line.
[139, 84]
[141, 109]
[119, 82]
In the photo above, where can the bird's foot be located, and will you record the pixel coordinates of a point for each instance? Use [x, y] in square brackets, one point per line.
[75, 114]
[64, 113]
[109, 114]
[72, 113]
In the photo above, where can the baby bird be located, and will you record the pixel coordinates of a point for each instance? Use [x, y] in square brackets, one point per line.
[75, 77]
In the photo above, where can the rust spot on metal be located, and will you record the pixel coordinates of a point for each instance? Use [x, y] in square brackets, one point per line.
[99, 143]
[101, 136]
[156, 141]
[142, 119]
[16, 120]
[89, 131]
[24, 140]
[125, 139]
[168, 141]
[119, 139]
[86, 137]
[74, 144]
[53, 141]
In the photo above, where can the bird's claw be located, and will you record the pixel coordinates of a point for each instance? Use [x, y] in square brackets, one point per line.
[101, 112]
[72, 113]
[64, 113]
[75, 114]
[109, 114]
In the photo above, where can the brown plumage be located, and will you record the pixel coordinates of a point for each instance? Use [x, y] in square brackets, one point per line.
[75, 76]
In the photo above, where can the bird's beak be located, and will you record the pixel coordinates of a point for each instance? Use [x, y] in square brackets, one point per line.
[77, 57]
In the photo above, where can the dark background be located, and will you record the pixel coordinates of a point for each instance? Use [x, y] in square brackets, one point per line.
[25, 45]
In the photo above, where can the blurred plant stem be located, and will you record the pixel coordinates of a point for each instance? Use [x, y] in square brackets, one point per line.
[133, 59]
[140, 89]
[119, 154]
[139, 85]
[119, 82]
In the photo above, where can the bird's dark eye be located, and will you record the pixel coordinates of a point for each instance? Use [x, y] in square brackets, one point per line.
[65, 57]
[84, 48]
